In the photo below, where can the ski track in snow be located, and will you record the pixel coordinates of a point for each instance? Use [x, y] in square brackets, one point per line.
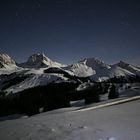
[116, 102]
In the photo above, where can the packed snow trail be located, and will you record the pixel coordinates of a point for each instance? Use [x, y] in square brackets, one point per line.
[118, 101]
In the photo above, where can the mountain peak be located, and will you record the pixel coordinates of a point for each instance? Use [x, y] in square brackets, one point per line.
[6, 60]
[95, 63]
[122, 63]
[39, 60]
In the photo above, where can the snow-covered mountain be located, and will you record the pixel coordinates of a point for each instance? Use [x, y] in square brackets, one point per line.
[7, 64]
[6, 61]
[129, 67]
[40, 60]
[89, 67]
[80, 69]
[95, 63]
[40, 70]
[99, 70]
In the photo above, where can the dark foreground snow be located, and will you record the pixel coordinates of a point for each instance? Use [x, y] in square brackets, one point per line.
[118, 122]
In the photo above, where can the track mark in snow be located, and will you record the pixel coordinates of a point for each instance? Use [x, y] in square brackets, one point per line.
[83, 127]
[111, 138]
[110, 104]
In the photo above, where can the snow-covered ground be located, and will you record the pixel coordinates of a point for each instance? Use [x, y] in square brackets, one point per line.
[118, 122]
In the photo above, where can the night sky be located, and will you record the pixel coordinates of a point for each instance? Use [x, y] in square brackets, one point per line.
[71, 30]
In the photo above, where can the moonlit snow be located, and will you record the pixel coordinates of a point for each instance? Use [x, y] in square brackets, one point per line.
[119, 122]
[99, 121]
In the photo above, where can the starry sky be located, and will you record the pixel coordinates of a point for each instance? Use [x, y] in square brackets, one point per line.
[71, 30]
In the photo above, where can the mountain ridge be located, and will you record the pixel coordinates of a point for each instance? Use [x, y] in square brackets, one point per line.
[41, 70]
[37, 57]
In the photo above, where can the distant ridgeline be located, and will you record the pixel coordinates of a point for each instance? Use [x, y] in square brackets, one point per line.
[41, 84]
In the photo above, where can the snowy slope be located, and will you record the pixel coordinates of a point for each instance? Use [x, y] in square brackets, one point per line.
[81, 70]
[118, 122]
[35, 80]
[35, 77]
[10, 69]
[118, 71]
[114, 71]
[129, 67]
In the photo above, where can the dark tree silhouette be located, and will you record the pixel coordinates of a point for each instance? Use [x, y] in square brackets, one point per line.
[113, 93]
